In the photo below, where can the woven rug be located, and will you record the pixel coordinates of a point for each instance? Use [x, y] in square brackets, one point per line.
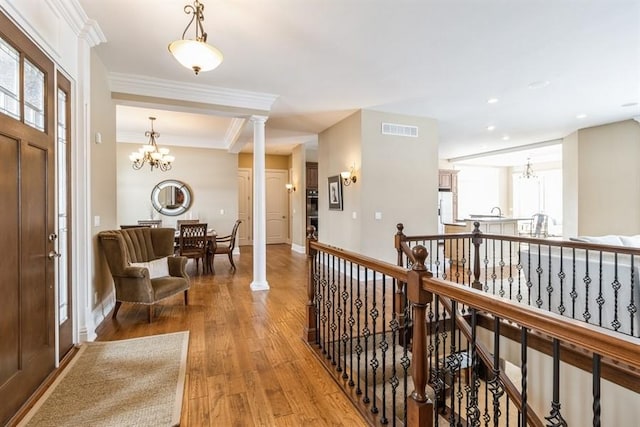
[135, 382]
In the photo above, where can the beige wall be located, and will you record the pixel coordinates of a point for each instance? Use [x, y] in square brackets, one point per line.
[211, 175]
[397, 177]
[103, 174]
[245, 160]
[608, 179]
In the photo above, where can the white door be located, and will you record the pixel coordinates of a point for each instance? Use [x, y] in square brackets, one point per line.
[245, 207]
[277, 206]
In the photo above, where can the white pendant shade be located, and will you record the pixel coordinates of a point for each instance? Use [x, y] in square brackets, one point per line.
[198, 56]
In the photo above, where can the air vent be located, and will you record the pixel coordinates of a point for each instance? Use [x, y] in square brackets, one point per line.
[399, 130]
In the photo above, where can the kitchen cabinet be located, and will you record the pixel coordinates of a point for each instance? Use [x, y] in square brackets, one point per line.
[312, 176]
[448, 180]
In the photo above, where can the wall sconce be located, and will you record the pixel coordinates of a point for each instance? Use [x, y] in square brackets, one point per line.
[290, 188]
[348, 176]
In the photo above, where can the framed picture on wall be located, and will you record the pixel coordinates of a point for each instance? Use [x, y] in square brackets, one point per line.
[335, 193]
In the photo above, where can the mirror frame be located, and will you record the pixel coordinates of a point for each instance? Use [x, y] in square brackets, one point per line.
[186, 203]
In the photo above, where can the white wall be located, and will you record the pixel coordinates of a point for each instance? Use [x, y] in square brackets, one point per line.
[297, 199]
[609, 178]
[570, 187]
[397, 177]
[211, 175]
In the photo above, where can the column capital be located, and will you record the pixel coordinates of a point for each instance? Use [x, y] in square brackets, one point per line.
[258, 119]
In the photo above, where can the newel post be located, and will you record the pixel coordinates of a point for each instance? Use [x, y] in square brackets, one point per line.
[477, 241]
[310, 326]
[419, 407]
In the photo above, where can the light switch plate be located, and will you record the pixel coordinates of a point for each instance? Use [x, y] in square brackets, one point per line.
[378, 215]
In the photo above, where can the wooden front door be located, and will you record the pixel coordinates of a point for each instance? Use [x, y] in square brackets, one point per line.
[27, 167]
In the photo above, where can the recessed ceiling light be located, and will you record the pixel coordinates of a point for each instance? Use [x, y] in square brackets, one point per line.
[505, 137]
[539, 84]
[492, 100]
[490, 128]
[581, 116]
[629, 104]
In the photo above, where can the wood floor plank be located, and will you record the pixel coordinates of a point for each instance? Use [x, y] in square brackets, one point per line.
[247, 363]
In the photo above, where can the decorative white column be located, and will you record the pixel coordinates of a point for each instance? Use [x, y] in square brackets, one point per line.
[259, 207]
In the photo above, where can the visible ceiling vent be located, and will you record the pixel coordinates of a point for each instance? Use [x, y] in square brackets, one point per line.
[399, 130]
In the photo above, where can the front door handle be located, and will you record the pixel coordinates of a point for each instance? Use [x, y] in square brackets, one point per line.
[54, 255]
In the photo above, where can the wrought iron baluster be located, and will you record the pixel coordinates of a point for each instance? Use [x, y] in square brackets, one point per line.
[561, 276]
[616, 287]
[632, 308]
[366, 333]
[343, 314]
[331, 307]
[473, 410]
[352, 322]
[384, 346]
[596, 389]
[324, 301]
[524, 344]
[555, 417]
[549, 282]
[493, 266]
[495, 384]
[539, 271]
[587, 281]
[358, 317]
[374, 321]
[573, 294]
[600, 300]
[519, 270]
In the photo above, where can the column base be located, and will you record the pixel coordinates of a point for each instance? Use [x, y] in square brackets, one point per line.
[259, 286]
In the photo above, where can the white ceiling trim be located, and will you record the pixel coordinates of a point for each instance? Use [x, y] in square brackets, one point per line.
[75, 16]
[232, 137]
[160, 88]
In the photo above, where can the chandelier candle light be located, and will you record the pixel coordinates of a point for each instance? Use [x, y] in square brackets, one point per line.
[151, 154]
[195, 54]
[527, 173]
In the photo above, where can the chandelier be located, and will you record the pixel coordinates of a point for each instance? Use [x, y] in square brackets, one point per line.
[151, 154]
[527, 173]
[195, 54]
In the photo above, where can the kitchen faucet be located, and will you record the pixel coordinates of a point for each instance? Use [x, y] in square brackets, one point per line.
[499, 210]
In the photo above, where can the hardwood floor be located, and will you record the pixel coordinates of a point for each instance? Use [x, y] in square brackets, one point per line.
[247, 362]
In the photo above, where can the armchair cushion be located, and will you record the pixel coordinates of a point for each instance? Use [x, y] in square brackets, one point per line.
[157, 267]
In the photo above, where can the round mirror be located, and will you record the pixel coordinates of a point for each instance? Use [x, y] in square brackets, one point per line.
[171, 197]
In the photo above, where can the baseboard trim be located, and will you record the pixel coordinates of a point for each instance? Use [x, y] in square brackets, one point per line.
[298, 248]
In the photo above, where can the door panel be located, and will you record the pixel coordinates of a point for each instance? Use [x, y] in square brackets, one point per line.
[276, 206]
[27, 356]
[245, 205]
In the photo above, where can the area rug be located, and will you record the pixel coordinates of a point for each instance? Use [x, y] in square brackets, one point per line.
[135, 382]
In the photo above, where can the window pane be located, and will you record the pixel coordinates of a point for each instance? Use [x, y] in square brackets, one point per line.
[33, 96]
[9, 80]
[63, 235]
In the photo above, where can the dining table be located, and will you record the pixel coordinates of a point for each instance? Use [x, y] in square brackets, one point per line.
[211, 246]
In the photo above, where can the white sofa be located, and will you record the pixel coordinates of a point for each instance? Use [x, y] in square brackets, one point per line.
[607, 269]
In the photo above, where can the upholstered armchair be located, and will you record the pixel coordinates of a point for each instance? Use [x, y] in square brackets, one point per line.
[143, 266]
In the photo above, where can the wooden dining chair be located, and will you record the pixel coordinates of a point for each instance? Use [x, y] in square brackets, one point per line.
[193, 243]
[224, 245]
[153, 223]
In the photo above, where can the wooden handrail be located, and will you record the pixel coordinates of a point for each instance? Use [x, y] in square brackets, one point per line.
[371, 263]
[619, 347]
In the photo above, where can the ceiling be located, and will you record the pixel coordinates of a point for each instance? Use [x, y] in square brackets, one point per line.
[554, 66]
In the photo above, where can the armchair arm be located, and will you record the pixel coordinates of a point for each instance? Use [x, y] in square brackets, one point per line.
[134, 285]
[177, 266]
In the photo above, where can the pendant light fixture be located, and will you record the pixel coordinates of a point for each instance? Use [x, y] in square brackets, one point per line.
[151, 154]
[196, 54]
[528, 173]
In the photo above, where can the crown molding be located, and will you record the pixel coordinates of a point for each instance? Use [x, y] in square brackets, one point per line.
[75, 16]
[231, 138]
[160, 88]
